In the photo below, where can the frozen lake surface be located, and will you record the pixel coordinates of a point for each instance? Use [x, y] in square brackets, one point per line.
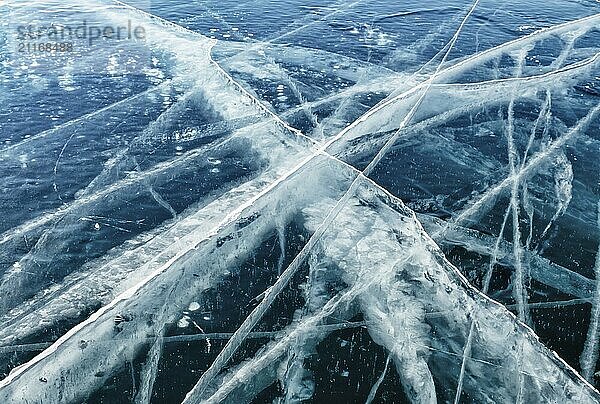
[316, 201]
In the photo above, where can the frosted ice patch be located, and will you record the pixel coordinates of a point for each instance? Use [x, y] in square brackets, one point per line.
[183, 322]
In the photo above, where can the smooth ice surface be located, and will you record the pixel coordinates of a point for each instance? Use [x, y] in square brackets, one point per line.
[302, 201]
